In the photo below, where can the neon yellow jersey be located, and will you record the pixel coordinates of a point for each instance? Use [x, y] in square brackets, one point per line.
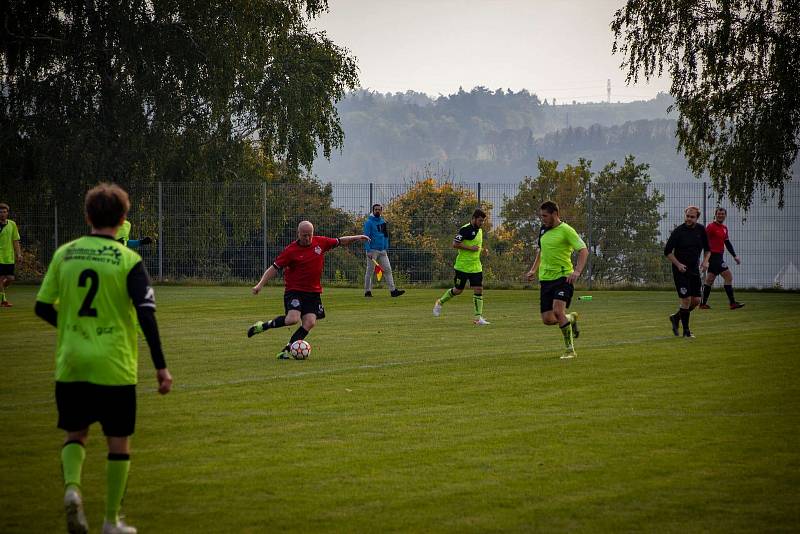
[556, 246]
[8, 234]
[469, 261]
[124, 232]
[96, 317]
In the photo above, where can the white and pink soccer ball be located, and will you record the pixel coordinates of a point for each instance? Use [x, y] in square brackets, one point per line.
[300, 349]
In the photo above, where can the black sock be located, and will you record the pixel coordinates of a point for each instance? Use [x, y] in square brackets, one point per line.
[729, 291]
[685, 319]
[277, 322]
[706, 292]
[300, 333]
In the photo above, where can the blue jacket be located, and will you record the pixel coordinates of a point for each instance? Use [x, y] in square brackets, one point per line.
[375, 229]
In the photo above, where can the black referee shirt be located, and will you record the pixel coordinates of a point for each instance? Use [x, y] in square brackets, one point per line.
[687, 243]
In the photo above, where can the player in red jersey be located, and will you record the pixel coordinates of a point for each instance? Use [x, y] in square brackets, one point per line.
[718, 241]
[302, 264]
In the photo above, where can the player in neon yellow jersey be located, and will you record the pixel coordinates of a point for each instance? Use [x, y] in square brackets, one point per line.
[123, 235]
[10, 252]
[101, 288]
[553, 265]
[469, 242]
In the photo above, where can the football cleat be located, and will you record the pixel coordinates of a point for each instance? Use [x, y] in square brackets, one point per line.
[737, 305]
[6, 304]
[437, 308]
[397, 292]
[118, 528]
[284, 355]
[704, 307]
[575, 330]
[257, 328]
[674, 321]
[73, 506]
[480, 321]
[568, 353]
[687, 333]
[367, 293]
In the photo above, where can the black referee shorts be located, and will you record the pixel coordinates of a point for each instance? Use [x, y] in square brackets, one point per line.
[687, 284]
[82, 403]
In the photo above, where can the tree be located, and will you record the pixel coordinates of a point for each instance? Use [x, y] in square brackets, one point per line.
[734, 66]
[164, 90]
[424, 221]
[613, 210]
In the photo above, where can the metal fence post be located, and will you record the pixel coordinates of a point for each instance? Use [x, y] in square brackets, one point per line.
[55, 225]
[264, 221]
[479, 194]
[705, 195]
[589, 229]
[370, 197]
[160, 236]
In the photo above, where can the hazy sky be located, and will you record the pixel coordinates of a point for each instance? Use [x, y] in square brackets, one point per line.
[555, 48]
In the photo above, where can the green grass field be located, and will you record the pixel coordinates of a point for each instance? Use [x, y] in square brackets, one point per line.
[403, 422]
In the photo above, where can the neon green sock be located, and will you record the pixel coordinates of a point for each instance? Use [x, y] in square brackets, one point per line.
[447, 296]
[566, 331]
[72, 456]
[477, 302]
[3, 295]
[116, 482]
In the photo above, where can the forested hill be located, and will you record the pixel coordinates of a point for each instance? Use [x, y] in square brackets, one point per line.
[495, 136]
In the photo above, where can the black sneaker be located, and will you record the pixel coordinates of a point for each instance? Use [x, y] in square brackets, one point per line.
[368, 293]
[397, 292]
[736, 305]
[687, 333]
[675, 321]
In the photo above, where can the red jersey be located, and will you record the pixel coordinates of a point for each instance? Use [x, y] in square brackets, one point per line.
[302, 266]
[717, 235]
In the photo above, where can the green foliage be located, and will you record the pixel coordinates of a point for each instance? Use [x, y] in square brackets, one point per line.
[165, 90]
[424, 221]
[624, 239]
[734, 71]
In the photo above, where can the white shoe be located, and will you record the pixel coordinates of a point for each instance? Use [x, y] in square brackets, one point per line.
[437, 308]
[569, 353]
[480, 321]
[73, 506]
[118, 528]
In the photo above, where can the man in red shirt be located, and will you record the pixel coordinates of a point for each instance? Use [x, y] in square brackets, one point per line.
[302, 263]
[718, 241]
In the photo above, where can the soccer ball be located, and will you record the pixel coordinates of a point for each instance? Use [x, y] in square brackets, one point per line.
[300, 349]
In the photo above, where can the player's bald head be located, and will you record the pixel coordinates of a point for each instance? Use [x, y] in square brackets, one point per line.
[305, 233]
[305, 226]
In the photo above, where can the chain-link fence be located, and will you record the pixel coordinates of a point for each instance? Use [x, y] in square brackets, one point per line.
[231, 231]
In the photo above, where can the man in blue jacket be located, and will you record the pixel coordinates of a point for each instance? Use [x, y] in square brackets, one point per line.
[375, 229]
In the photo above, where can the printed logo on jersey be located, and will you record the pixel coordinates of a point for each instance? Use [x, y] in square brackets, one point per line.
[318, 249]
[295, 303]
[458, 238]
[105, 254]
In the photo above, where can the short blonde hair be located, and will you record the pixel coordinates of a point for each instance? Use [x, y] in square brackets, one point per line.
[691, 207]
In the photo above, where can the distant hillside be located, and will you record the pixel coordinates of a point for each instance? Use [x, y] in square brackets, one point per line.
[495, 136]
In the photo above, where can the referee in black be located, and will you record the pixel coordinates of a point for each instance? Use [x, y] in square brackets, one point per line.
[683, 249]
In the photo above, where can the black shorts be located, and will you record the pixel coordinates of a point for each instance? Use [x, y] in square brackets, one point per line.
[6, 269]
[305, 302]
[687, 284]
[81, 403]
[716, 263]
[554, 290]
[460, 280]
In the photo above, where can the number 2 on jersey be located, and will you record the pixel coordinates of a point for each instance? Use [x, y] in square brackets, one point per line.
[94, 281]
